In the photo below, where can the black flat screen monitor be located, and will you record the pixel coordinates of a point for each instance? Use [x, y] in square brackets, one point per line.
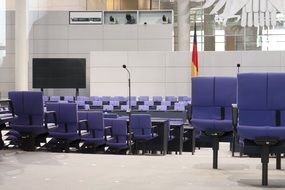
[59, 73]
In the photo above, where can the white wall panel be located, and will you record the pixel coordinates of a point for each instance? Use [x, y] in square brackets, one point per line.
[84, 46]
[120, 45]
[261, 59]
[7, 75]
[178, 59]
[150, 75]
[111, 89]
[178, 89]
[50, 46]
[178, 74]
[85, 32]
[213, 59]
[109, 75]
[149, 89]
[146, 59]
[108, 59]
[50, 32]
[155, 45]
[8, 61]
[154, 31]
[113, 32]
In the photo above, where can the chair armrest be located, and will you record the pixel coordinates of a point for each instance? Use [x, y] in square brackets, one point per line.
[189, 112]
[82, 122]
[234, 117]
[46, 114]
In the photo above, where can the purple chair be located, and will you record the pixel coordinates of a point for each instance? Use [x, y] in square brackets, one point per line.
[115, 104]
[106, 100]
[259, 118]
[82, 98]
[68, 98]
[120, 140]
[108, 108]
[96, 105]
[143, 98]
[95, 136]
[210, 111]
[28, 106]
[179, 106]
[161, 108]
[142, 130]
[184, 99]
[157, 100]
[124, 107]
[54, 98]
[81, 105]
[65, 134]
[95, 98]
[171, 99]
[143, 108]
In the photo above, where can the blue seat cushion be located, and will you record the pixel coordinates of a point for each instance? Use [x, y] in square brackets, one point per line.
[89, 139]
[30, 129]
[66, 136]
[211, 125]
[251, 132]
[145, 137]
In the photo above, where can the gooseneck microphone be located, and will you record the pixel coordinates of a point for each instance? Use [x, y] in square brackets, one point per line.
[238, 66]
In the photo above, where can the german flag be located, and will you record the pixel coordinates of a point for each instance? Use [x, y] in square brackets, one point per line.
[195, 55]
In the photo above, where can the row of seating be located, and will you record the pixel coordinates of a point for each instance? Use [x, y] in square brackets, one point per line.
[65, 127]
[107, 99]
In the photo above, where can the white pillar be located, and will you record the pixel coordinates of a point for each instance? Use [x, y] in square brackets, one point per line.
[21, 45]
[183, 21]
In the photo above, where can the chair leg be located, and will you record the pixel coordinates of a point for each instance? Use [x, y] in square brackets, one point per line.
[265, 161]
[233, 146]
[215, 151]
[278, 161]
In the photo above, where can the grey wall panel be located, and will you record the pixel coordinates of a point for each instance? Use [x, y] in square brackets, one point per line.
[155, 31]
[115, 32]
[76, 32]
[50, 46]
[84, 46]
[121, 45]
[53, 18]
[10, 46]
[50, 32]
[155, 45]
[8, 61]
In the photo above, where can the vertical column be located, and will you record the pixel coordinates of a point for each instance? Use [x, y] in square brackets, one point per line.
[183, 21]
[21, 45]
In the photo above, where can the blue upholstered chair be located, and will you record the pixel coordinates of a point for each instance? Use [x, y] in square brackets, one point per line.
[212, 98]
[108, 108]
[143, 108]
[259, 118]
[142, 130]
[161, 108]
[184, 99]
[68, 98]
[157, 100]
[83, 98]
[54, 98]
[171, 99]
[143, 98]
[119, 140]
[179, 106]
[66, 133]
[95, 136]
[95, 98]
[28, 106]
[98, 104]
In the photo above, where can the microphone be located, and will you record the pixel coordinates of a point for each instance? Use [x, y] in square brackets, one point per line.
[124, 66]
[238, 66]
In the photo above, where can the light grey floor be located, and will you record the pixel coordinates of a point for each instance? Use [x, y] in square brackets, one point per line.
[67, 171]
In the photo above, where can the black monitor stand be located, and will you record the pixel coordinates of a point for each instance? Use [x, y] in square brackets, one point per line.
[77, 92]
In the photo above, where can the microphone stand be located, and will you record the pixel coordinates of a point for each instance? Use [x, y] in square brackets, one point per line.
[130, 106]
[238, 66]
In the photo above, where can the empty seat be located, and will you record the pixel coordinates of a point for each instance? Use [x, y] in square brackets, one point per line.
[179, 106]
[83, 98]
[28, 106]
[212, 98]
[143, 98]
[171, 98]
[108, 107]
[161, 108]
[54, 98]
[95, 98]
[143, 108]
[157, 98]
[68, 98]
[260, 123]
[184, 98]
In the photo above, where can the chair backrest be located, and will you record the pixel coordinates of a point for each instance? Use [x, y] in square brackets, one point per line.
[82, 98]
[97, 103]
[143, 108]
[212, 97]
[110, 115]
[96, 122]
[143, 98]
[184, 98]
[67, 117]
[95, 98]
[149, 103]
[108, 107]
[106, 98]
[179, 106]
[171, 98]
[261, 99]
[166, 103]
[141, 124]
[28, 106]
[161, 108]
[54, 98]
[68, 98]
[115, 102]
[157, 98]
[124, 107]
